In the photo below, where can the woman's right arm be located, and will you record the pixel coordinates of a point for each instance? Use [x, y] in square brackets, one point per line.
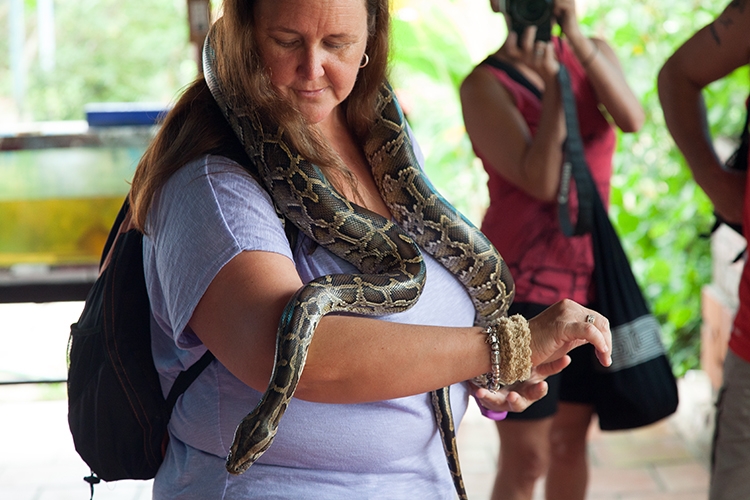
[355, 359]
[351, 359]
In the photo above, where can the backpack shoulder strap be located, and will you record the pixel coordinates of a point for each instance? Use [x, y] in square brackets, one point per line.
[118, 226]
[187, 377]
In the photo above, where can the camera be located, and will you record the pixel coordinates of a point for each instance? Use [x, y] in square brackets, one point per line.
[525, 13]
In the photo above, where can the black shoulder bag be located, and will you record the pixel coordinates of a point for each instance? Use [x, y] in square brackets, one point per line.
[639, 388]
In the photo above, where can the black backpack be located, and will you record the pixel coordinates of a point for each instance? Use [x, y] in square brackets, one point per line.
[116, 411]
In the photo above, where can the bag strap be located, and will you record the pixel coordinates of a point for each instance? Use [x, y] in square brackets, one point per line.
[574, 166]
[187, 377]
[747, 117]
[514, 74]
[115, 230]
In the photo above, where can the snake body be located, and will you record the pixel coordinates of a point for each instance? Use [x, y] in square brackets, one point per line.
[392, 270]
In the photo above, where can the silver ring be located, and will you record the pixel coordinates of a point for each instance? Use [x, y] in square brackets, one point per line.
[590, 318]
[539, 52]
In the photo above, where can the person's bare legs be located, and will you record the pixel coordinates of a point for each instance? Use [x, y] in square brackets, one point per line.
[568, 473]
[524, 457]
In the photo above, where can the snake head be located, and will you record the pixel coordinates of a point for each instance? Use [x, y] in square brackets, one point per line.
[252, 438]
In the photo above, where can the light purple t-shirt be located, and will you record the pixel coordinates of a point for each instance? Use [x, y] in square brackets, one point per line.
[207, 213]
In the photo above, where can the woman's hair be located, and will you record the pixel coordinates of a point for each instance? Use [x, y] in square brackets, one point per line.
[196, 127]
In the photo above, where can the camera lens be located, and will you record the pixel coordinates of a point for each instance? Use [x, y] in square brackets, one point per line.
[533, 11]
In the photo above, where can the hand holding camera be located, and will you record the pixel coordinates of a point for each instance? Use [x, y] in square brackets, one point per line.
[527, 13]
[531, 23]
[540, 13]
[529, 50]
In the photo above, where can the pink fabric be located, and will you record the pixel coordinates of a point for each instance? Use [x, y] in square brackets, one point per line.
[739, 342]
[546, 265]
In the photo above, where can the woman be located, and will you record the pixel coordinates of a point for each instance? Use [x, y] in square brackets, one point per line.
[220, 270]
[513, 114]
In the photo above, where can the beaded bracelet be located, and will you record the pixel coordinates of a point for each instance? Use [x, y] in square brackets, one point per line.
[494, 378]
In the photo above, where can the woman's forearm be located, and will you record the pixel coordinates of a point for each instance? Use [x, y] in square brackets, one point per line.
[544, 154]
[354, 359]
[606, 76]
[351, 359]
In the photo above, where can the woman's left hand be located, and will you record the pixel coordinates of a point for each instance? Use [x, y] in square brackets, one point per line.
[519, 396]
[537, 55]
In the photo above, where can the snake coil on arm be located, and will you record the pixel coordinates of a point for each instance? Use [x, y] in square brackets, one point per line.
[391, 265]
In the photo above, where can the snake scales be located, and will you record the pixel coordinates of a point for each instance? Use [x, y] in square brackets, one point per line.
[387, 256]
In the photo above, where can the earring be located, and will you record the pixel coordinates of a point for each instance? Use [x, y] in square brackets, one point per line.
[365, 60]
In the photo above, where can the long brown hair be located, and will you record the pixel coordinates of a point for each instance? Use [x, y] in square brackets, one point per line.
[195, 126]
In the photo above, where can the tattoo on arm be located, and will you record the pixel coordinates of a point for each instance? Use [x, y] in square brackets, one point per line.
[714, 33]
[739, 5]
[726, 20]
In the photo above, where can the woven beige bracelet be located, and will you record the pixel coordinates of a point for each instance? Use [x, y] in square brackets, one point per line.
[510, 353]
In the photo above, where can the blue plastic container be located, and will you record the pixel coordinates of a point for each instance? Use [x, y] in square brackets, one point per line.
[118, 114]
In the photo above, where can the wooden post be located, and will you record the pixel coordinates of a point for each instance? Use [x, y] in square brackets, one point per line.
[199, 19]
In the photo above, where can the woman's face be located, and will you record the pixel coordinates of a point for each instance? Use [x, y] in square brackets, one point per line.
[312, 50]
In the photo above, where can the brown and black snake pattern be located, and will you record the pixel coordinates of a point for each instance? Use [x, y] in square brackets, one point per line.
[387, 255]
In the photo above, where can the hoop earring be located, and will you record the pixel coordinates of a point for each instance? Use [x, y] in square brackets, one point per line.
[366, 60]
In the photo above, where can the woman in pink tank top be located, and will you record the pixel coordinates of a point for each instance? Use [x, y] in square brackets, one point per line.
[513, 114]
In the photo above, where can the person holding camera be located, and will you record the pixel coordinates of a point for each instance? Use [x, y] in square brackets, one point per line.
[514, 117]
[709, 55]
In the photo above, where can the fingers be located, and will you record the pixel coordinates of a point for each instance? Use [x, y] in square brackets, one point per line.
[600, 335]
[515, 398]
[526, 395]
[564, 326]
[590, 326]
[536, 54]
[540, 53]
[564, 12]
[525, 46]
[527, 39]
[553, 367]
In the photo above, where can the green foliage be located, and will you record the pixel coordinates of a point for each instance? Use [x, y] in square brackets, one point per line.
[106, 51]
[432, 53]
[660, 213]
